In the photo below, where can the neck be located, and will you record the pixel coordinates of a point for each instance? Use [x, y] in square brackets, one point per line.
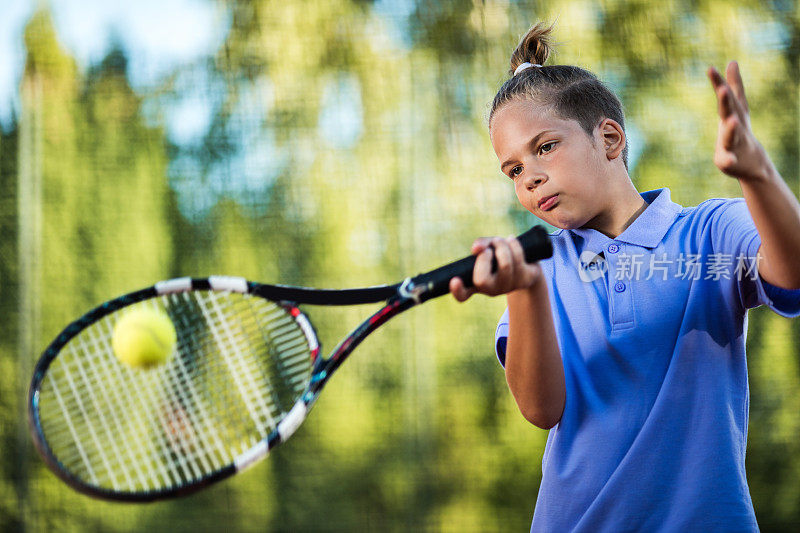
[625, 206]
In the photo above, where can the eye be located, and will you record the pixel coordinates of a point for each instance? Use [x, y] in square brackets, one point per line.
[514, 172]
[547, 147]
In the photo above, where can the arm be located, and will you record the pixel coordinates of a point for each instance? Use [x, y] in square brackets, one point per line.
[534, 370]
[773, 207]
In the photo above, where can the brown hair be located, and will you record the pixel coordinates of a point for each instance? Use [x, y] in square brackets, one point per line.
[572, 92]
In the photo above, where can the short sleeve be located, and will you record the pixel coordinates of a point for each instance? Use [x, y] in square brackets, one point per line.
[734, 236]
[501, 338]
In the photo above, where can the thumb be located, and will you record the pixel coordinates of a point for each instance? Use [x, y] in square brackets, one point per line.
[458, 290]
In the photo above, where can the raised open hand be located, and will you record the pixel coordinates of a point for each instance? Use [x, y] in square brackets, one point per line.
[737, 153]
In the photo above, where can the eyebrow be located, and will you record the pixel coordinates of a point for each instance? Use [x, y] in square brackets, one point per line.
[532, 142]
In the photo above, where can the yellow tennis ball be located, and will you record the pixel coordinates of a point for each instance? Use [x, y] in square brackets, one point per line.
[143, 338]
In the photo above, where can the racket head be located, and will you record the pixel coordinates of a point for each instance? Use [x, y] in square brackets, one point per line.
[230, 391]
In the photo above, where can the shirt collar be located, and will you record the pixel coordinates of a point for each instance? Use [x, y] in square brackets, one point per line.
[647, 230]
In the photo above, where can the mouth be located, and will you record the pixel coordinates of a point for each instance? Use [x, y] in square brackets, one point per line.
[548, 202]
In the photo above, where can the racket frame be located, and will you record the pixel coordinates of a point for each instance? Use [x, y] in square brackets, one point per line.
[284, 296]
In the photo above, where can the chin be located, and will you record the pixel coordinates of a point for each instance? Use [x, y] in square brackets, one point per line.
[562, 223]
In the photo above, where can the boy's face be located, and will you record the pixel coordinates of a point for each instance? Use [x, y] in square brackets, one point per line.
[545, 156]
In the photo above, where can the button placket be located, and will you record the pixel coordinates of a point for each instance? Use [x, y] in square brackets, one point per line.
[620, 293]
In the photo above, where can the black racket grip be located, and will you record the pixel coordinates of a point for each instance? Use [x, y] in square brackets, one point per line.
[535, 244]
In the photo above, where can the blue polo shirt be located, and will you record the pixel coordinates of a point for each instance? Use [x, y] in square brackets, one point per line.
[652, 329]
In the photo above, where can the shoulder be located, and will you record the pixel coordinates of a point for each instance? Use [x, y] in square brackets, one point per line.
[714, 213]
[715, 207]
[719, 225]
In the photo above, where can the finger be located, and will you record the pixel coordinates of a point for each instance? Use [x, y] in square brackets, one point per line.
[731, 92]
[518, 261]
[517, 253]
[503, 254]
[734, 76]
[504, 276]
[715, 77]
[482, 273]
[480, 245]
[725, 99]
[728, 133]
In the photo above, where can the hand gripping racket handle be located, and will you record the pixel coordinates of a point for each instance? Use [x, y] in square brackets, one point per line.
[535, 244]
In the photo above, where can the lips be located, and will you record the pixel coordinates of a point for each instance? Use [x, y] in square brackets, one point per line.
[548, 202]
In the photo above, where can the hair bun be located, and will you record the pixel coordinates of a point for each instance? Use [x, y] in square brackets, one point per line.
[534, 47]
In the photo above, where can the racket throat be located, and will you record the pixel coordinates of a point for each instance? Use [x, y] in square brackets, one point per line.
[412, 291]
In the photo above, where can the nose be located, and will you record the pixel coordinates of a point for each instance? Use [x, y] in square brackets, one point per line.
[533, 180]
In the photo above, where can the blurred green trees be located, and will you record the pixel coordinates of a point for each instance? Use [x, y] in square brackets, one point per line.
[348, 147]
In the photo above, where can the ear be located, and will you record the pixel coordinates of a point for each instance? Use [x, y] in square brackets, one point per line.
[613, 137]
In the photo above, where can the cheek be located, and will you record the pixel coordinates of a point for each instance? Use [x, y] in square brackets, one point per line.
[523, 195]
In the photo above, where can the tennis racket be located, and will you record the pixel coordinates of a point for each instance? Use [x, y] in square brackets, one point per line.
[243, 376]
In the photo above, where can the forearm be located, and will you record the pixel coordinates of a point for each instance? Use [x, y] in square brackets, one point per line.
[534, 370]
[776, 214]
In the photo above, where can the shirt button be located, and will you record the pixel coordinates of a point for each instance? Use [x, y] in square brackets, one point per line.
[619, 286]
[613, 248]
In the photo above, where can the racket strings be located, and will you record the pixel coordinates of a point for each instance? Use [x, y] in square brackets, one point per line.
[240, 364]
